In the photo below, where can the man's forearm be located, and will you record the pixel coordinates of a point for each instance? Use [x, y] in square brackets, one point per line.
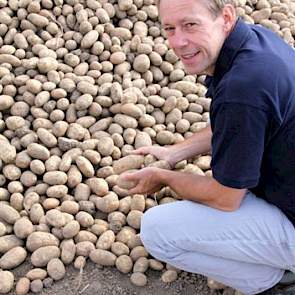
[202, 189]
[196, 144]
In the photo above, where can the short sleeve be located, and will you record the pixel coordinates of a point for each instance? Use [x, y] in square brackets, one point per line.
[238, 141]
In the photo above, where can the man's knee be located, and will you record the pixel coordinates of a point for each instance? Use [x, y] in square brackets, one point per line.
[149, 221]
[153, 233]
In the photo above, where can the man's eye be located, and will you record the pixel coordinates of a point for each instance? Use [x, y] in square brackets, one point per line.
[169, 29]
[190, 25]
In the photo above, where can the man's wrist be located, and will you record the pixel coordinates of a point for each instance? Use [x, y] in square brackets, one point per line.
[163, 175]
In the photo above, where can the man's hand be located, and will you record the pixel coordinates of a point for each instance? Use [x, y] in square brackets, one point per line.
[147, 180]
[160, 152]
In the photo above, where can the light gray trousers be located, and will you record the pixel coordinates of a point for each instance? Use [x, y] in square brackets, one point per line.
[247, 249]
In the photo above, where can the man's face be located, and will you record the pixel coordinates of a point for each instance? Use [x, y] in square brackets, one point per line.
[195, 35]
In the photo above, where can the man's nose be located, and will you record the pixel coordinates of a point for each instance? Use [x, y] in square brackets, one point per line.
[178, 39]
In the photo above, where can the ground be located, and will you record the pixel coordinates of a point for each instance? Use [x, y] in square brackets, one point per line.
[109, 281]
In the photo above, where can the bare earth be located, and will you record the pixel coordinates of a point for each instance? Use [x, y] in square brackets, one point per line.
[109, 281]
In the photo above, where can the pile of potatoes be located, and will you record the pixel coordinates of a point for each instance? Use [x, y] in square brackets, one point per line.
[83, 83]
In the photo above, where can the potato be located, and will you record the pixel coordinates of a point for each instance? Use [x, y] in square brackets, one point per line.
[80, 262]
[165, 137]
[55, 177]
[214, 285]
[10, 59]
[160, 164]
[36, 286]
[36, 274]
[125, 121]
[169, 276]
[125, 234]
[191, 168]
[30, 199]
[103, 257]
[84, 248]
[124, 263]
[127, 163]
[85, 166]
[137, 202]
[8, 242]
[89, 39]
[203, 162]
[22, 286]
[126, 184]
[2, 229]
[106, 240]
[56, 269]
[142, 139]
[108, 203]
[68, 206]
[46, 137]
[138, 279]
[141, 265]
[8, 214]
[38, 151]
[105, 146]
[71, 229]
[155, 264]
[6, 102]
[118, 248]
[85, 235]
[116, 220]
[43, 255]
[55, 218]
[13, 258]
[57, 191]
[138, 252]
[99, 227]
[23, 227]
[6, 281]
[37, 240]
[141, 63]
[134, 218]
[38, 20]
[98, 186]
[84, 219]
[134, 241]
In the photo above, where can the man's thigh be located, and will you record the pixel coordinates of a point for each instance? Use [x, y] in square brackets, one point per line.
[257, 232]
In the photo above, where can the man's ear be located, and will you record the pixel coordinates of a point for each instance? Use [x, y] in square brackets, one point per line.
[229, 16]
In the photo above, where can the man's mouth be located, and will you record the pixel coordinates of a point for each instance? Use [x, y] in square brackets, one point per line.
[188, 56]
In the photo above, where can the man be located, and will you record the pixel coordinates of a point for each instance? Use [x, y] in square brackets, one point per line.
[237, 226]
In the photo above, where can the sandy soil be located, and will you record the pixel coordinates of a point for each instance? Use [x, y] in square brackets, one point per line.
[109, 281]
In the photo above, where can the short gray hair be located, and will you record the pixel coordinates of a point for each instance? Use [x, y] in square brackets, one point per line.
[214, 6]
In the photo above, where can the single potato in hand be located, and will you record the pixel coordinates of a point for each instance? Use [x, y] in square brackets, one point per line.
[126, 184]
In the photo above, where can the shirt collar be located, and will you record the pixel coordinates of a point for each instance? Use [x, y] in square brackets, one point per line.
[229, 50]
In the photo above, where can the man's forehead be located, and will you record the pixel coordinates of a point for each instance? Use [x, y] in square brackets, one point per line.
[182, 12]
[185, 18]
[191, 8]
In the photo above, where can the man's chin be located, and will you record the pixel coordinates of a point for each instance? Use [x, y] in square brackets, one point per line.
[190, 70]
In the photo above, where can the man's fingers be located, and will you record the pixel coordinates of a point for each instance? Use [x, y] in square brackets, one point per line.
[135, 190]
[129, 176]
[139, 151]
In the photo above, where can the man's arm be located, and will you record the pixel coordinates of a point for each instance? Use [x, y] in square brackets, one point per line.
[202, 189]
[198, 143]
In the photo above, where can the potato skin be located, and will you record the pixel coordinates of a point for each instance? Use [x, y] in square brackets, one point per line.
[13, 258]
[127, 163]
[103, 257]
[43, 255]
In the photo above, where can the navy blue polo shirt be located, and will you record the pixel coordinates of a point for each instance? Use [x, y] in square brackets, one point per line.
[253, 115]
